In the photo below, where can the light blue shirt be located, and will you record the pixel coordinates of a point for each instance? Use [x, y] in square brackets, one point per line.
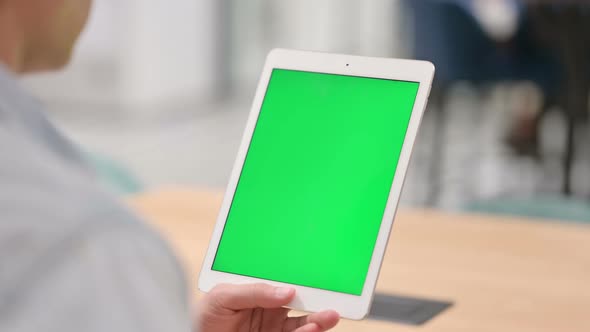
[71, 257]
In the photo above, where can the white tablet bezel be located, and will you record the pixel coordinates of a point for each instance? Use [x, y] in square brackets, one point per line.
[312, 299]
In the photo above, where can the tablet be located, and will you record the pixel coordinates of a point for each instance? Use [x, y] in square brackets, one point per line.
[315, 186]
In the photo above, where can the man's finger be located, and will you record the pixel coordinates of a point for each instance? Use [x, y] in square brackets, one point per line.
[313, 327]
[239, 297]
[325, 320]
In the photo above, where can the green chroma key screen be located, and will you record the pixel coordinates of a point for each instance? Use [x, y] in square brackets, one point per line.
[314, 185]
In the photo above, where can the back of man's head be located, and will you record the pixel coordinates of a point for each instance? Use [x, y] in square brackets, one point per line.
[40, 34]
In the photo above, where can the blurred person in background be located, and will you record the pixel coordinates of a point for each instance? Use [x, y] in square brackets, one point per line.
[73, 258]
[488, 42]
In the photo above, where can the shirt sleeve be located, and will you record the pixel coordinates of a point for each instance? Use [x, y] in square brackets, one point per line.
[112, 280]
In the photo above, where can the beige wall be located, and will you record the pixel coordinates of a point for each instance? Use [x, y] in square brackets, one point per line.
[139, 53]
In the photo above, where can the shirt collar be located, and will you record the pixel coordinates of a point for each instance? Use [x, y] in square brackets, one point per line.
[15, 101]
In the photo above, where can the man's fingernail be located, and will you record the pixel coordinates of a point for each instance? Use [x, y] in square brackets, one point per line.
[282, 292]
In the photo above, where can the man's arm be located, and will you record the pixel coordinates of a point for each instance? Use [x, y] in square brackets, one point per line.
[122, 279]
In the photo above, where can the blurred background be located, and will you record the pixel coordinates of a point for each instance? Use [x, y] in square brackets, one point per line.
[159, 91]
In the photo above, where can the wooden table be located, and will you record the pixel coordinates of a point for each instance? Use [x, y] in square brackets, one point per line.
[503, 274]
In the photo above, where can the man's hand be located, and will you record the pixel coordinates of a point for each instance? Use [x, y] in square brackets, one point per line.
[257, 308]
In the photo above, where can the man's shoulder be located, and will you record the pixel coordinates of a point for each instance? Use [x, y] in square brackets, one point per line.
[55, 216]
[49, 206]
[49, 230]
[41, 191]
[100, 258]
